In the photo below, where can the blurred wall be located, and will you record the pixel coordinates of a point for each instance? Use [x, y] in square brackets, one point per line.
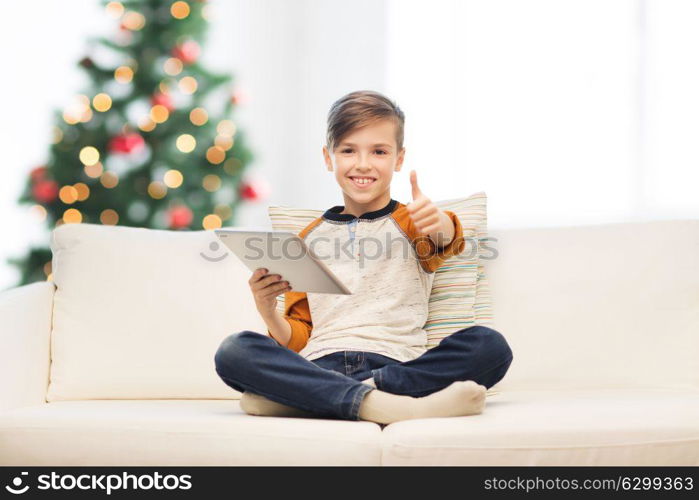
[563, 111]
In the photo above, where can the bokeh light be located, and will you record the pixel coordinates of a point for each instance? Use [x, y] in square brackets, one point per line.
[179, 10]
[38, 212]
[94, 171]
[157, 190]
[226, 127]
[224, 142]
[68, 195]
[173, 178]
[102, 102]
[83, 191]
[198, 116]
[188, 85]
[211, 182]
[173, 66]
[186, 143]
[115, 9]
[109, 217]
[109, 180]
[146, 124]
[133, 20]
[72, 216]
[211, 221]
[159, 113]
[215, 155]
[89, 155]
[123, 74]
[78, 110]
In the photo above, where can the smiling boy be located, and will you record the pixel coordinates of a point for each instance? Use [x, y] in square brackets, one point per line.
[363, 356]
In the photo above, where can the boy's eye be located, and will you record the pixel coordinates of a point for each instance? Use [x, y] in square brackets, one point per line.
[378, 151]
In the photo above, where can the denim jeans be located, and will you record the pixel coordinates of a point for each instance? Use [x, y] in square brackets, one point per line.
[330, 386]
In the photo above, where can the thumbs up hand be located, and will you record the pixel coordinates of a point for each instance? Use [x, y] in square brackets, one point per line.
[425, 214]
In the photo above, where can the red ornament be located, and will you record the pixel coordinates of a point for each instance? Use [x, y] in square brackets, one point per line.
[45, 191]
[187, 52]
[179, 216]
[254, 190]
[163, 100]
[38, 173]
[126, 143]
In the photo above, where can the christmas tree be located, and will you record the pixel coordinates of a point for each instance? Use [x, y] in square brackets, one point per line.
[152, 142]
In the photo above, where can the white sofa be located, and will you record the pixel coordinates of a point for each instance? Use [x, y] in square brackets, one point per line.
[111, 363]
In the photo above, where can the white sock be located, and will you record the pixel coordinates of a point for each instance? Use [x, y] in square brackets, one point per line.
[254, 404]
[369, 381]
[458, 399]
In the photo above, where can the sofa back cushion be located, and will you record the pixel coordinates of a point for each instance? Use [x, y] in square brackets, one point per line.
[139, 313]
[600, 306]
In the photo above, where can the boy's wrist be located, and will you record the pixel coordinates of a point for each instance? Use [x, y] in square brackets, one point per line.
[270, 316]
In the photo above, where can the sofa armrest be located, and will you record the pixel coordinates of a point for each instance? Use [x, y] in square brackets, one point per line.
[25, 342]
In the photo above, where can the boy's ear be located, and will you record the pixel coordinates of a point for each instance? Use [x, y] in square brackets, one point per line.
[399, 160]
[328, 161]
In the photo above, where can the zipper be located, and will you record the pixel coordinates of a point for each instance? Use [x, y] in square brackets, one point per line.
[352, 227]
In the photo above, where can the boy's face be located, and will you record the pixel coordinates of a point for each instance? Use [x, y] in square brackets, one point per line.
[370, 151]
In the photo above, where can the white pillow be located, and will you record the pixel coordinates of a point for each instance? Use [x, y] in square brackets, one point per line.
[460, 295]
[139, 313]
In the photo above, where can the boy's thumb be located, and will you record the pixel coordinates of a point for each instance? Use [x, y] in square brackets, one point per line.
[413, 183]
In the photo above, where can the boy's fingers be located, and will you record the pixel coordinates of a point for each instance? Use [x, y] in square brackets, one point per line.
[416, 205]
[274, 290]
[413, 183]
[257, 273]
[426, 212]
[265, 281]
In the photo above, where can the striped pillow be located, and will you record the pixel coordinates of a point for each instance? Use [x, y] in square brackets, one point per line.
[460, 295]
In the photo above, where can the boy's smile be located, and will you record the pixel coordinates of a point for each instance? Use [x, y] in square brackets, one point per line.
[362, 182]
[364, 162]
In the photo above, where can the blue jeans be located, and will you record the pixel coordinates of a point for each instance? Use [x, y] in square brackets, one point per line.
[330, 386]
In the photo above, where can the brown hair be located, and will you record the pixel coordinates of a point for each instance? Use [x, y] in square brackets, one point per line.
[358, 109]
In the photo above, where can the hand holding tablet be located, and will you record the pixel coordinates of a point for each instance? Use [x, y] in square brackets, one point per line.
[265, 287]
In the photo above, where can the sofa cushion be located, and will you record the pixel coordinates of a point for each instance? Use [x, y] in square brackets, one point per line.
[178, 433]
[460, 295]
[139, 313]
[608, 305]
[602, 427]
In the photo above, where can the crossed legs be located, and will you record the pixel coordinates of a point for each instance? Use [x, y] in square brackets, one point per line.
[447, 380]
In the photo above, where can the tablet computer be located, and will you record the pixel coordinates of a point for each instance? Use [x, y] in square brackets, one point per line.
[283, 253]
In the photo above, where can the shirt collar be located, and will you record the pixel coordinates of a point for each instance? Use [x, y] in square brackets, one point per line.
[334, 213]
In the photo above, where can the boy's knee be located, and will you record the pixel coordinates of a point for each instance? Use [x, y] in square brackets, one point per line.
[491, 342]
[498, 353]
[233, 352]
[496, 344]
